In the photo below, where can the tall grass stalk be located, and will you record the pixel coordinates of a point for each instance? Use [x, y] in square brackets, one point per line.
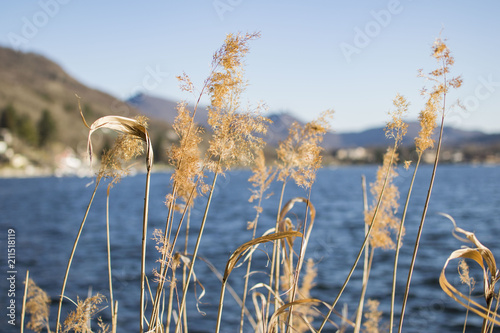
[421, 226]
[166, 255]
[66, 274]
[438, 95]
[494, 314]
[167, 251]
[108, 246]
[300, 260]
[365, 242]
[144, 237]
[166, 260]
[127, 146]
[262, 177]
[366, 275]
[170, 300]
[359, 313]
[275, 261]
[196, 247]
[247, 276]
[398, 243]
[184, 267]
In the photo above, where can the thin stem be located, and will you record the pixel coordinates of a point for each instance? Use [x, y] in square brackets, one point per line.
[300, 260]
[484, 328]
[398, 243]
[170, 301]
[24, 300]
[65, 280]
[221, 302]
[467, 312]
[420, 228]
[111, 300]
[197, 245]
[184, 267]
[249, 265]
[144, 236]
[275, 258]
[366, 276]
[359, 313]
[494, 314]
[168, 247]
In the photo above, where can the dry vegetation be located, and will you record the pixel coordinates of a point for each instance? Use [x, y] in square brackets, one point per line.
[281, 302]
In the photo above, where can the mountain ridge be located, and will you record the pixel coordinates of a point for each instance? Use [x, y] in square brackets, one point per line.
[33, 84]
[162, 108]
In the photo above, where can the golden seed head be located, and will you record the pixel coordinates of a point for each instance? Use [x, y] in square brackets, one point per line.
[386, 220]
[262, 177]
[186, 156]
[397, 128]
[427, 119]
[113, 161]
[373, 316]
[185, 83]
[434, 104]
[299, 155]
[235, 135]
[79, 319]
[38, 307]
[463, 272]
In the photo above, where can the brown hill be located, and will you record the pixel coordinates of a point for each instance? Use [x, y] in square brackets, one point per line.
[31, 83]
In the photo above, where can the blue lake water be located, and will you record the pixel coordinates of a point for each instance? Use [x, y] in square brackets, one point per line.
[46, 213]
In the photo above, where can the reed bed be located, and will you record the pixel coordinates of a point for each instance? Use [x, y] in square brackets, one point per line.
[281, 301]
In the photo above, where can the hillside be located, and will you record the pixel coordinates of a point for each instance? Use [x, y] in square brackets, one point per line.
[31, 84]
[37, 89]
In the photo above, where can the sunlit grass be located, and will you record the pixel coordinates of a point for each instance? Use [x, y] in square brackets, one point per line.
[280, 301]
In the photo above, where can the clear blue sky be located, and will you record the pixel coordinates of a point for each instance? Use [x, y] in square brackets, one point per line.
[351, 56]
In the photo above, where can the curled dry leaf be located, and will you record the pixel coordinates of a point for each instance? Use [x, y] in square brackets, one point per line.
[283, 308]
[484, 258]
[122, 125]
[240, 251]
[289, 205]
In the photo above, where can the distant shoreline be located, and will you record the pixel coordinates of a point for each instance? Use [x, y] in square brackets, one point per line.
[11, 173]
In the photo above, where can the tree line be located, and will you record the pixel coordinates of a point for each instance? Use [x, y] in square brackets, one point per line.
[39, 133]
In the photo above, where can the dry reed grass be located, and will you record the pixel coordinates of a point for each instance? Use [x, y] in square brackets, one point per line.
[283, 300]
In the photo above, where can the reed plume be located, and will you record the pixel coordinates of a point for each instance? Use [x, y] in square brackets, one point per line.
[381, 215]
[385, 220]
[465, 278]
[185, 156]
[373, 316]
[235, 135]
[299, 155]
[38, 307]
[436, 103]
[79, 319]
[395, 129]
